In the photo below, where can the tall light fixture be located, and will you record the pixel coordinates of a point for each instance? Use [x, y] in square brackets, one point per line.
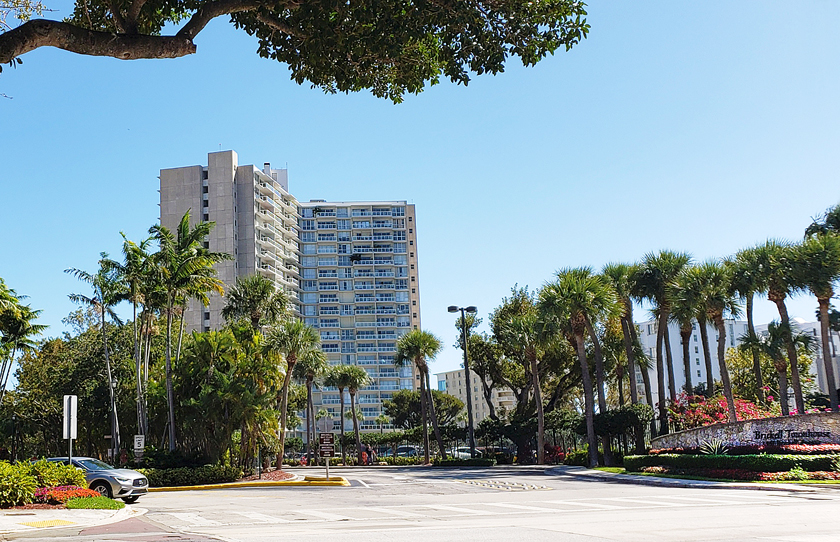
[465, 336]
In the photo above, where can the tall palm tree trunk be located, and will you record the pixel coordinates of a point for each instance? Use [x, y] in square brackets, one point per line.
[170, 398]
[640, 438]
[707, 356]
[343, 447]
[600, 381]
[759, 379]
[424, 418]
[141, 426]
[433, 414]
[781, 370]
[284, 406]
[115, 443]
[791, 352]
[685, 336]
[826, 352]
[672, 379]
[660, 371]
[356, 427]
[180, 333]
[724, 372]
[588, 400]
[631, 360]
[535, 378]
[310, 422]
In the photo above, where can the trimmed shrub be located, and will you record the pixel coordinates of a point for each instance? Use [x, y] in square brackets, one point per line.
[50, 474]
[755, 463]
[782, 449]
[60, 495]
[99, 502]
[474, 462]
[191, 476]
[577, 458]
[400, 461]
[17, 486]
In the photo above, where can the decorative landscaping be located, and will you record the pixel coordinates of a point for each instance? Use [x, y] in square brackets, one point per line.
[42, 484]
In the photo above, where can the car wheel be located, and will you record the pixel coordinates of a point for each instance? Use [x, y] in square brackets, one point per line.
[103, 488]
[130, 500]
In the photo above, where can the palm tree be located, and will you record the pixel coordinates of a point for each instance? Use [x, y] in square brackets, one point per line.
[572, 302]
[184, 269]
[293, 339]
[818, 268]
[258, 299]
[418, 347]
[776, 261]
[336, 378]
[107, 291]
[652, 282]
[357, 378]
[311, 365]
[685, 301]
[718, 299]
[746, 282]
[16, 331]
[135, 273]
[620, 276]
[829, 222]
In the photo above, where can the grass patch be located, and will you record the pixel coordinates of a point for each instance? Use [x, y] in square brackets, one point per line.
[614, 470]
[94, 503]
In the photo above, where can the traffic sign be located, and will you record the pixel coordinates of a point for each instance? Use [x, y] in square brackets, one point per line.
[326, 438]
[71, 405]
[139, 443]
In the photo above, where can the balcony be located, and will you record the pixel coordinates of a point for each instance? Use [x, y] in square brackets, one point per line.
[384, 273]
[329, 324]
[366, 324]
[385, 310]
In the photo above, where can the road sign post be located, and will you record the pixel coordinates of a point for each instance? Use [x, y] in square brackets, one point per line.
[326, 448]
[71, 407]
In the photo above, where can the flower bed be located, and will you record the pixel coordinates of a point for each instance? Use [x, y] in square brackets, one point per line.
[795, 474]
[62, 494]
[785, 449]
[754, 463]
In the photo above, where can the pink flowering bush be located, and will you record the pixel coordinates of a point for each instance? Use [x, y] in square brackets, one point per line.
[62, 494]
[690, 411]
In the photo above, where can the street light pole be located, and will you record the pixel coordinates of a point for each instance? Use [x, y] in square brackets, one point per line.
[465, 335]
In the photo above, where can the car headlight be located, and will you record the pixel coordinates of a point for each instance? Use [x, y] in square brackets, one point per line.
[120, 479]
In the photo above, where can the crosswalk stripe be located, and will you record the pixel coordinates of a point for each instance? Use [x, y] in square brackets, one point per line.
[521, 507]
[588, 505]
[702, 500]
[324, 515]
[400, 513]
[634, 500]
[194, 519]
[264, 518]
[458, 509]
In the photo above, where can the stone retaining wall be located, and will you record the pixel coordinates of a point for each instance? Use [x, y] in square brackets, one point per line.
[818, 428]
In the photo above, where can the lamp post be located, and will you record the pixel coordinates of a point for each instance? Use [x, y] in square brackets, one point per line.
[14, 437]
[115, 428]
[465, 335]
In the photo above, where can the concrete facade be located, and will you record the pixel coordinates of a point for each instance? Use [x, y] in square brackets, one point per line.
[454, 383]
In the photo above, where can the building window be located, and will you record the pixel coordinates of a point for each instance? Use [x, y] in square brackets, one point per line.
[698, 373]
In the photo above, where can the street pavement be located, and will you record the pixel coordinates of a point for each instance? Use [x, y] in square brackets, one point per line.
[502, 503]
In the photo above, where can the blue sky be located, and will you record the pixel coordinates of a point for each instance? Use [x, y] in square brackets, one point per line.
[704, 127]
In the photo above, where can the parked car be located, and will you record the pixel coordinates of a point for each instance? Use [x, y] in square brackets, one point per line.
[463, 452]
[125, 484]
[407, 451]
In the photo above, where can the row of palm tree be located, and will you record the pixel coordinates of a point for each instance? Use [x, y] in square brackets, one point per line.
[17, 331]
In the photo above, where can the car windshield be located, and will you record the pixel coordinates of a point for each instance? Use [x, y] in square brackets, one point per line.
[94, 464]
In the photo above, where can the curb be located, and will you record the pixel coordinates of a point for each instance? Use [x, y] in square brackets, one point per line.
[308, 481]
[593, 475]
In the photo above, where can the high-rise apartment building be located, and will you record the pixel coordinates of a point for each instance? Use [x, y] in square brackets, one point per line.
[349, 268]
[455, 383]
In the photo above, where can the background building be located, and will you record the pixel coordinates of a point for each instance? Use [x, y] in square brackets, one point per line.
[349, 268]
[454, 383]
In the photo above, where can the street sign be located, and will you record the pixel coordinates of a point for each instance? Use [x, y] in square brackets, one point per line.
[139, 443]
[324, 424]
[326, 445]
[327, 450]
[71, 404]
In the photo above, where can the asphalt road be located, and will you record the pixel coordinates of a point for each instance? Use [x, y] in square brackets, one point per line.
[482, 505]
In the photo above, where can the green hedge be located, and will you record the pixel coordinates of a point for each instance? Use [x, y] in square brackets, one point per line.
[18, 482]
[755, 463]
[476, 462]
[51, 474]
[191, 476]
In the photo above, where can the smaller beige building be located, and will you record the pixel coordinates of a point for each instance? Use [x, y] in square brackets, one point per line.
[454, 383]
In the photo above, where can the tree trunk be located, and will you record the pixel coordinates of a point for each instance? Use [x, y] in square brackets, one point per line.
[826, 351]
[640, 438]
[792, 358]
[115, 443]
[170, 398]
[672, 380]
[284, 406]
[141, 427]
[660, 371]
[310, 422]
[724, 372]
[535, 377]
[600, 381]
[433, 414]
[759, 379]
[588, 400]
[685, 336]
[707, 356]
[424, 418]
[180, 334]
[631, 360]
[343, 450]
[783, 386]
[356, 426]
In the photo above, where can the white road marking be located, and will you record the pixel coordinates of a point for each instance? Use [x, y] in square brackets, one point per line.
[588, 505]
[521, 507]
[634, 500]
[469, 511]
[194, 520]
[324, 515]
[263, 518]
[363, 483]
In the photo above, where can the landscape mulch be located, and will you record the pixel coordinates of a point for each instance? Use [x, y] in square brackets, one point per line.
[273, 475]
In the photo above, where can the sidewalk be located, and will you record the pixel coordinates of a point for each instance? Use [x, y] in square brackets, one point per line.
[18, 521]
[601, 476]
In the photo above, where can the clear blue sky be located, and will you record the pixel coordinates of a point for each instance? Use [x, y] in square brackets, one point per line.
[704, 126]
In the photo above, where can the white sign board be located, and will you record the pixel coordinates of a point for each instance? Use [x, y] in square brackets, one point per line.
[139, 443]
[71, 403]
[324, 424]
